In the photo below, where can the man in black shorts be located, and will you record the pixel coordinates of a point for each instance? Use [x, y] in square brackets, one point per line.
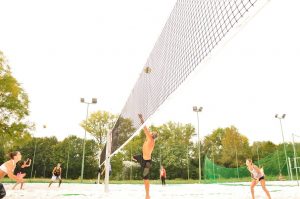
[56, 174]
[145, 159]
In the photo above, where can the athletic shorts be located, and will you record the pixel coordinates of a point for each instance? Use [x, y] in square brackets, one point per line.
[145, 164]
[54, 178]
[261, 178]
[2, 191]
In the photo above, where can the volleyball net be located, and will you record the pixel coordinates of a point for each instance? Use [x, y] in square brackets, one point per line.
[191, 33]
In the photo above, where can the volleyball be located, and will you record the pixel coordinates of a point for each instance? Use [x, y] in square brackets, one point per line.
[147, 69]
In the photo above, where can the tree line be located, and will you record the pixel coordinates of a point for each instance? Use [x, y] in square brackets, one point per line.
[176, 148]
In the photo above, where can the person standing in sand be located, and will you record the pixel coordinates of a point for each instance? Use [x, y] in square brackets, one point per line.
[7, 168]
[145, 158]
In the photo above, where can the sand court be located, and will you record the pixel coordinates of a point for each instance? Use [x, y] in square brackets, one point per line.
[278, 190]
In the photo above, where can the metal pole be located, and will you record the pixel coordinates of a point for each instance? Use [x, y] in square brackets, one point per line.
[68, 160]
[278, 162]
[286, 159]
[99, 166]
[83, 152]
[295, 160]
[237, 164]
[131, 161]
[257, 155]
[290, 168]
[107, 161]
[213, 163]
[188, 166]
[159, 156]
[33, 158]
[199, 149]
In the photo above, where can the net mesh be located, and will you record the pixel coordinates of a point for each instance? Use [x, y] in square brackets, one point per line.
[296, 149]
[192, 31]
[273, 165]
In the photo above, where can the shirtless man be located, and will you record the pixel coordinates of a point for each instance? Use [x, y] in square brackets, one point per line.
[145, 158]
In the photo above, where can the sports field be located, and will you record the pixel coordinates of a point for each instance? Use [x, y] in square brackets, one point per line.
[278, 190]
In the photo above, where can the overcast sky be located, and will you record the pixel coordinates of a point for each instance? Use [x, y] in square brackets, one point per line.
[61, 51]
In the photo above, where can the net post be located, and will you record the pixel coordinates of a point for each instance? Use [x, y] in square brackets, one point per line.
[296, 168]
[290, 168]
[295, 158]
[107, 162]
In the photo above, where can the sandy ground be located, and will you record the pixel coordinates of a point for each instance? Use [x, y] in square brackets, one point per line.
[278, 190]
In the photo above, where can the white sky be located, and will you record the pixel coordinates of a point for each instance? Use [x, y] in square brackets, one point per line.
[64, 50]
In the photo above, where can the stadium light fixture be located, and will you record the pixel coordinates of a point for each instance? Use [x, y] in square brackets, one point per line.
[82, 100]
[286, 159]
[197, 110]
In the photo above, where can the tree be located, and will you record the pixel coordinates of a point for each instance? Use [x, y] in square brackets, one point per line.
[212, 146]
[262, 149]
[73, 146]
[173, 148]
[235, 148]
[44, 156]
[13, 106]
[98, 124]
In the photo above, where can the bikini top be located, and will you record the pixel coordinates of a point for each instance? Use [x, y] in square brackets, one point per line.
[3, 167]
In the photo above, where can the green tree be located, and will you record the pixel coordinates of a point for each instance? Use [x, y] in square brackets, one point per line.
[123, 130]
[72, 145]
[262, 149]
[13, 106]
[212, 145]
[173, 149]
[98, 124]
[235, 148]
[44, 156]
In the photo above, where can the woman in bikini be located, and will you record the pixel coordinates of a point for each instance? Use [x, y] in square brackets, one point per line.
[7, 168]
[257, 176]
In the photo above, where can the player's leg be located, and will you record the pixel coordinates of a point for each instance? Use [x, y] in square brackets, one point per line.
[60, 181]
[263, 186]
[146, 174]
[253, 183]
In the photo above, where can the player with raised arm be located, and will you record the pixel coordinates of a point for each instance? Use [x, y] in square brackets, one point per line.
[145, 158]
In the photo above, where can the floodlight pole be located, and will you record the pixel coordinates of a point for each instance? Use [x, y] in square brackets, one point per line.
[197, 110]
[188, 166]
[67, 170]
[34, 152]
[131, 161]
[94, 101]
[286, 159]
[257, 155]
[278, 163]
[33, 158]
[107, 161]
[295, 159]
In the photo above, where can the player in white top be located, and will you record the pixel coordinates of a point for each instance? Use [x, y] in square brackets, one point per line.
[257, 176]
[7, 168]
